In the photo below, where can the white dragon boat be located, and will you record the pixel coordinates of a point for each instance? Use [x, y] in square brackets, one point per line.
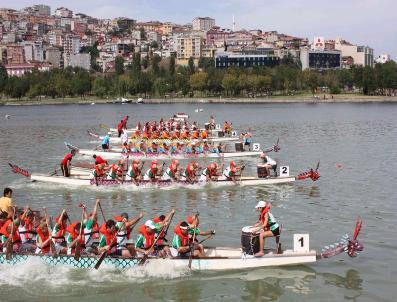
[215, 259]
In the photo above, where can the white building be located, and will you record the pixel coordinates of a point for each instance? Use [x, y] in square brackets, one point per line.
[33, 51]
[362, 55]
[203, 23]
[382, 59]
[63, 12]
[71, 44]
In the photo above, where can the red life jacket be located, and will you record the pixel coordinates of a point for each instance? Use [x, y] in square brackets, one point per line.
[15, 238]
[95, 231]
[71, 230]
[43, 238]
[129, 229]
[28, 229]
[60, 235]
[149, 239]
[110, 238]
[99, 170]
[263, 213]
[185, 239]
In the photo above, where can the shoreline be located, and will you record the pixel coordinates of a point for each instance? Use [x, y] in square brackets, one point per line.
[344, 98]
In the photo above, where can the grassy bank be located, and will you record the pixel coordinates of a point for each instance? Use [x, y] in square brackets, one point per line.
[300, 98]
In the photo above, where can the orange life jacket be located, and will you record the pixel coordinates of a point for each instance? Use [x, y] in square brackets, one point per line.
[195, 135]
[204, 134]
[60, 235]
[263, 213]
[110, 238]
[185, 239]
[99, 170]
[15, 237]
[149, 239]
[71, 230]
[43, 238]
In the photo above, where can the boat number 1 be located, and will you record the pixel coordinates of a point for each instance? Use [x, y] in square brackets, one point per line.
[301, 243]
[284, 171]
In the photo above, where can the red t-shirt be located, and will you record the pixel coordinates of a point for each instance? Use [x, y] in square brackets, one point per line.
[120, 126]
[66, 159]
[99, 160]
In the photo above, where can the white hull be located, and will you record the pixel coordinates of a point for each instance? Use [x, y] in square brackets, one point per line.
[86, 179]
[117, 140]
[118, 155]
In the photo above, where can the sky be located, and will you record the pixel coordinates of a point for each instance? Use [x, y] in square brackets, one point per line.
[362, 22]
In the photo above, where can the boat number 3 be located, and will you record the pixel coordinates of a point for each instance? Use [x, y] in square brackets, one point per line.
[284, 171]
[256, 147]
[301, 243]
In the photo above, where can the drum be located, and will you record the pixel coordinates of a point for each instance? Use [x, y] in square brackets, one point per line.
[262, 172]
[249, 241]
[239, 147]
[221, 134]
[207, 126]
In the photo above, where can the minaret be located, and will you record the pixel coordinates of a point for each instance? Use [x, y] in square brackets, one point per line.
[234, 24]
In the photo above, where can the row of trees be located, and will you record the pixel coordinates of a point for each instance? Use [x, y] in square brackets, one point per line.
[153, 76]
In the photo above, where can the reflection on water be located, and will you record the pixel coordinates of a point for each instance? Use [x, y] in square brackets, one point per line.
[351, 281]
[310, 191]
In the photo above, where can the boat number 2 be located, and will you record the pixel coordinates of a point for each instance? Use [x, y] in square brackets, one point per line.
[301, 243]
[284, 171]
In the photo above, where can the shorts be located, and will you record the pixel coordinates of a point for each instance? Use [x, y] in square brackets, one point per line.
[105, 147]
[276, 232]
[246, 143]
[117, 252]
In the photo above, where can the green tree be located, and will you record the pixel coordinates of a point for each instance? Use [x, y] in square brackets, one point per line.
[136, 63]
[191, 66]
[100, 87]
[172, 65]
[230, 83]
[154, 64]
[199, 81]
[3, 78]
[310, 79]
[119, 65]
[369, 81]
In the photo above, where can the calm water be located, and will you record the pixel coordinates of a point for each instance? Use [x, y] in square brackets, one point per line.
[356, 144]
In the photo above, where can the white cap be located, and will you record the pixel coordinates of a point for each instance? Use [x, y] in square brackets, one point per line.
[150, 224]
[260, 204]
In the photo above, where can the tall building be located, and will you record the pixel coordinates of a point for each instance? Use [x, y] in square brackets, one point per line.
[203, 23]
[187, 46]
[38, 10]
[383, 58]
[63, 12]
[15, 54]
[362, 55]
[82, 60]
[71, 44]
[320, 59]
[231, 59]
[53, 56]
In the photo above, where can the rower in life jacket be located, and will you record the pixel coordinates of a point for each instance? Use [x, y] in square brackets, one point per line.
[59, 232]
[25, 229]
[99, 170]
[230, 172]
[190, 172]
[126, 148]
[74, 236]
[162, 235]
[11, 227]
[43, 239]
[171, 173]
[134, 172]
[267, 224]
[124, 228]
[209, 173]
[99, 160]
[116, 171]
[91, 230]
[151, 173]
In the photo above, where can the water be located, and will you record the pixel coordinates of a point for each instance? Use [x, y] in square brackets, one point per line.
[356, 144]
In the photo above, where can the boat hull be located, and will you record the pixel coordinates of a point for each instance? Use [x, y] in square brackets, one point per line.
[217, 260]
[117, 140]
[85, 179]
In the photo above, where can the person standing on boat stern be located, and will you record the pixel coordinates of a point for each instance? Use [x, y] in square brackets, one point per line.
[99, 160]
[6, 201]
[248, 139]
[106, 142]
[267, 225]
[268, 163]
[124, 121]
[120, 128]
[65, 163]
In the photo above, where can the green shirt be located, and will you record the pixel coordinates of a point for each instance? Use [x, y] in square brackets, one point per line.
[141, 241]
[177, 241]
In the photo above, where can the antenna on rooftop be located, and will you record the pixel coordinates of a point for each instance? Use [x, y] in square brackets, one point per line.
[234, 24]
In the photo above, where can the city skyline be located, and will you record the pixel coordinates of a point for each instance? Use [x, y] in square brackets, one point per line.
[372, 22]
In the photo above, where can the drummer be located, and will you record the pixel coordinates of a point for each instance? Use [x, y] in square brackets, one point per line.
[267, 224]
[268, 163]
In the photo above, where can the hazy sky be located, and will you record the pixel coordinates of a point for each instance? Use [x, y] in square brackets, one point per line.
[364, 22]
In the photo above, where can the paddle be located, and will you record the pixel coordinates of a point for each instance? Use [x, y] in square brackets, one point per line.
[10, 243]
[77, 252]
[206, 238]
[52, 244]
[146, 255]
[192, 248]
[103, 215]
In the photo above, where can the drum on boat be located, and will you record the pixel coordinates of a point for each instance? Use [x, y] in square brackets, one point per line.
[221, 134]
[207, 126]
[239, 147]
[262, 172]
[249, 241]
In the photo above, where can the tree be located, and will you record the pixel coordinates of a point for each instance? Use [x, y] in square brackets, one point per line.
[119, 65]
[230, 83]
[310, 79]
[191, 66]
[3, 78]
[161, 86]
[154, 44]
[100, 87]
[172, 65]
[154, 64]
[81, 83]
[369, 82]
[136, 63]
[199, 81]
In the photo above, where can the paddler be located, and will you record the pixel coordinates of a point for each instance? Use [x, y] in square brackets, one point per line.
[189, 174]
[124, 227]
[185, 135]
[268, 163]
[65, 163]
[152, 173]
[182, 244]
[99, 170]
[209, 173]
[74, 237]
[230, 172]
[108, 240]
[171, 174]
[267, 225]
[59, 232]
[165, 135]
[11, 227]
[126, 149]
[227, 128]
[106, 142]
[195, 135]
[116, 171]
[189, 148]
[26, 229]
[204, 134]
[193, 222]
[43, 239]
[91, 230]
[134, 172]
[162, 149]
[147, 237]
